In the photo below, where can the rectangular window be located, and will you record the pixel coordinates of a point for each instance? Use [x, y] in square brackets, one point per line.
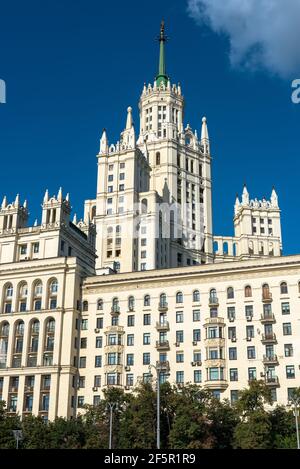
[287, 328]
[82, 362]
[197, 376]
[143, 254]
[110, 189]
[231, 332]
[179, 376]
[290, 371]
[196, 335]
[249, 311]
[179, 357]
[232, 353]
[179, 336]
[122, 176]
[179, 316]
[196, 315]
[251, 374]
[98, 361]
[83, 342]
[288, 350]
[82, 381]
[197, 357]
[110, 177]
[130, 320]
[147, 319]
[122, 165]
[130, 359]
[234, 395]
[96, 400]
[23, 249]
[146, 358]
[36, 248]
[121, 187]
[233, 373]
[250, 331]
[129, 379]
[99, 323]
[285, 308]
[80, 402]
[99, 342]
[84, 324]
[130, 339]
[146, 338]
[110, 167]
[231, 313]
[251, 353]
[53, 303]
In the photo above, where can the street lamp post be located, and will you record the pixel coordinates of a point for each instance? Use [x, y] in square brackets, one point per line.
[158, 370]
[159, 367]
[295, 402]
[111, 406]
[18, 435]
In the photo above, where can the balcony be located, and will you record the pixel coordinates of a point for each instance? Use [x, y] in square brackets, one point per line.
[221, 384]
[269, 338]
[115, 310]
[272, 381]
[217, 321]
[213, 301]
[269, 318]
[163, 366]
[163, 306]
[162, 345]
[270, 360]
[162, 326]
[267, 297]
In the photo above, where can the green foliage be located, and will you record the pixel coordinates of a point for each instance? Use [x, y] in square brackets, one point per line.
[190, 418]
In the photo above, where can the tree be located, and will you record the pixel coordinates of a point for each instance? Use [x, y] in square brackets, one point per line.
[255, 432]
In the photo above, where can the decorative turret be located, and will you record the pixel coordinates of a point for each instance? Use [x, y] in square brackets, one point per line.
[245, 196]
[56, 210]
[104, 143]
[274, 198]
[13, 216]
[128, 135]
[204, 136]
[237, 204]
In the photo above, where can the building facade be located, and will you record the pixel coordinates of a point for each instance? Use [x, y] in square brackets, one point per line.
[142, 280]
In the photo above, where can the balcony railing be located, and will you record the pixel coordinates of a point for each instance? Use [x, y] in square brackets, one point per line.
[162, 345]
[163, 366]
[115, 309]
[162, 325]
[268, 359]
[213, 300]
[269, 317]
[162, 306]
[269, 337]
[272, 380]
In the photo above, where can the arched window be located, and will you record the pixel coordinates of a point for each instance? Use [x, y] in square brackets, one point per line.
[52, 294]
[179, 297]
[4, 333]
[33, 343]
[18, 345]
[22, 297]
[131, 303]
[37, 296]
[118, 229]
[147, 300]
[8, 294]
[115, 305]
[196, 295]
[230, 293]
[266, 291]
[225, 248]
[216, 247]
[110, 230]
[144, 206]
[163, 300]
[248, 291]
[158, 158]
[283, 288]
[213, 299]
[49, 343]
[85, 306]
[54, 286]
[100, 304]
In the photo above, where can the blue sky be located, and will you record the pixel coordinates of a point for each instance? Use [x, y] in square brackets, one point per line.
[73, 67]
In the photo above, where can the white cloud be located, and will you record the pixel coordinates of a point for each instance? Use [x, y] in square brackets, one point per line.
[262, 33]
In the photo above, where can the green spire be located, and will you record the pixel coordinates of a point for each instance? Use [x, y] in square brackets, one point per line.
[162, 77]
